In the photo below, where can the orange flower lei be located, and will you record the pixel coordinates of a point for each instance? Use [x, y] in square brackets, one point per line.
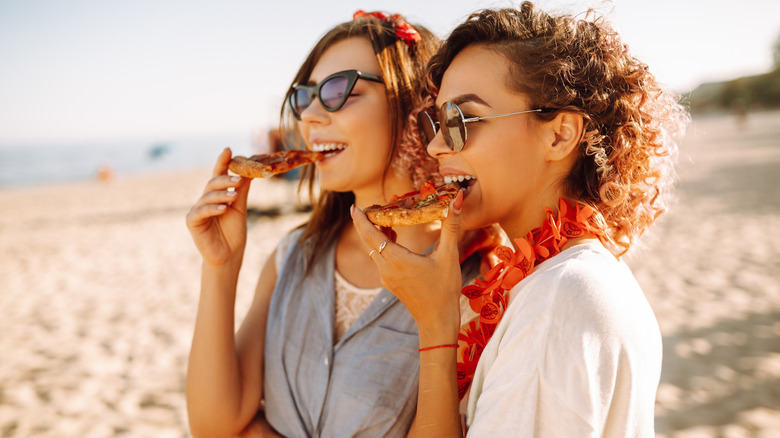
[489, 297]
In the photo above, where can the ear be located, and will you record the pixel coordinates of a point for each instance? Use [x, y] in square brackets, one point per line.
[565, 135]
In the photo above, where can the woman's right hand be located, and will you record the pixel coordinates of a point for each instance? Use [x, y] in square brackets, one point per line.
[217, 221]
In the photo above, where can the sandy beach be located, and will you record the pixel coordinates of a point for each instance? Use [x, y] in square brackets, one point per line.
[99, 285]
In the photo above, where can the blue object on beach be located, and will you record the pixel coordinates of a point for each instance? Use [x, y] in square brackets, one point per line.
[158, 150]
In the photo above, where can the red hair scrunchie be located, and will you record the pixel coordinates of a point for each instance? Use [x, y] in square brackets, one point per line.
[403, 30]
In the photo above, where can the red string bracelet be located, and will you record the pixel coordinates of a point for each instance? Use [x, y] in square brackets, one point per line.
[439, 346]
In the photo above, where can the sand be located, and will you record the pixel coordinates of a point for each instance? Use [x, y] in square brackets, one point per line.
[99, 287]
[711, 271]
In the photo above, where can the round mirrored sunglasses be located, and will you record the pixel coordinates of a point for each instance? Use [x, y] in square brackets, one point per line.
[454, 130]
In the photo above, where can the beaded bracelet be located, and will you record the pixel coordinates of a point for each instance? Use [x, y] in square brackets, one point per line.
[439, 346]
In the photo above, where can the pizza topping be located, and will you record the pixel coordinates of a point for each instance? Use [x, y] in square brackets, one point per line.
[427, 189]
[430, 199]
[395, 198]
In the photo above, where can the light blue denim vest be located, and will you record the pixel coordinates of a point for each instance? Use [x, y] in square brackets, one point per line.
[363, 386]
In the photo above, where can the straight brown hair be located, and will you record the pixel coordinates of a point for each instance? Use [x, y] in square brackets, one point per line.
[403, 69]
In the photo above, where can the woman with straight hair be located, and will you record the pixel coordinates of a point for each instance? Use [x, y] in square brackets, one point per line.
[324, 350]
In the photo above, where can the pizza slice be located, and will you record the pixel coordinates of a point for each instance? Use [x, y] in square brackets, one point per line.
[267, 165]
[429, 204]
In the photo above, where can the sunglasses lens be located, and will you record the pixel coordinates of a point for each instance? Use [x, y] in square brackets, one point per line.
[425, 127]
[332, 92]
[452, 126]
[300, 99]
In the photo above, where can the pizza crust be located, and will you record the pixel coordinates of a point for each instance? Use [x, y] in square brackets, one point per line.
[407, 216]
[267, 165]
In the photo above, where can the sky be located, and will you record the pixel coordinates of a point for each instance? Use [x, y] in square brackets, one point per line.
[94, 69]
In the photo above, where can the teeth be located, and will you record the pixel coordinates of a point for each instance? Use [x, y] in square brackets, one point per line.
[458, 178]
[324, 147]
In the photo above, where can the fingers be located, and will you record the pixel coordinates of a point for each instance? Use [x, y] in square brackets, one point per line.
[450, 226]
[242, 194]
[223, 182]
[226, 197]
[221, 167]
[210, 205]
[220, 192]
[369, 234]
[198, 218]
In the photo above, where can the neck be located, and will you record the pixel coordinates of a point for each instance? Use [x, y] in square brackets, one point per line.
[580, 241]
[530, 216]
[534, 218]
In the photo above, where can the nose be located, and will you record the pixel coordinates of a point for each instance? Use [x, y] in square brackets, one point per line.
[315, 112]
[438, 147]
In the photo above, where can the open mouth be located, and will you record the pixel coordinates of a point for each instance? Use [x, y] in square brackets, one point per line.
[330, 149]
[464, 181]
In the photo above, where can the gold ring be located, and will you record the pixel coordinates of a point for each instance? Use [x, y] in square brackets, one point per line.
[383, 245]
[371, 253]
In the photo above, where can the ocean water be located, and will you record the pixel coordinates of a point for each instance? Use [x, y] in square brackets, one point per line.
[33, 163]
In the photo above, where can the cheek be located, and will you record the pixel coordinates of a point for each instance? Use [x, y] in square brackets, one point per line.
[502, 168]
[375, 132]
[378, 123]
[303, 130]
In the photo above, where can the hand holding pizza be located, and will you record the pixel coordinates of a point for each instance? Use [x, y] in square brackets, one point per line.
[217, 221]
[428, 285]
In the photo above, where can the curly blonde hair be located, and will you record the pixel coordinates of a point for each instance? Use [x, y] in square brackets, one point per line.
[626, 157]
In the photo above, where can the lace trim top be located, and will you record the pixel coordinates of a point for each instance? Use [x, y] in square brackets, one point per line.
[351, 301]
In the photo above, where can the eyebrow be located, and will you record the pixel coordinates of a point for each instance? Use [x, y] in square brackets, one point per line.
[469, 97]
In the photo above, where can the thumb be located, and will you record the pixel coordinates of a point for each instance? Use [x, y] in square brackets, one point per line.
[450, 226]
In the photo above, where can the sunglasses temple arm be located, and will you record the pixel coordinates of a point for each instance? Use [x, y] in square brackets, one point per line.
[475, 119]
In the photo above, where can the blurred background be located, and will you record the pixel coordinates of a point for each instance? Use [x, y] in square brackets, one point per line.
[149, 85]
[111, 114]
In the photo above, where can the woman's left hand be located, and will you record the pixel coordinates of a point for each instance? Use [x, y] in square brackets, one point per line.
[428, 285]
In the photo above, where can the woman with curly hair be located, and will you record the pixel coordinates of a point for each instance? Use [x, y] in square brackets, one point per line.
[558, 134]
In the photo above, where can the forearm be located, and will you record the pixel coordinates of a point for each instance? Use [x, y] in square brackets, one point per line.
[213, 374]
[437, 404]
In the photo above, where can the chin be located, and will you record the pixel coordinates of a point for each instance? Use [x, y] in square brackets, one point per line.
[331, 185]
[470, 222]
